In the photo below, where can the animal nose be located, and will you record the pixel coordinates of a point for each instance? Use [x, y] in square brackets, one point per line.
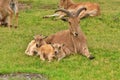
[37, 45]
[76, 34]
[56, 52]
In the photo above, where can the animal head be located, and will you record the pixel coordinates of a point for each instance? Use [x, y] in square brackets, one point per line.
[57, 48]
[39, 39]
[13, 3]
[72, 19]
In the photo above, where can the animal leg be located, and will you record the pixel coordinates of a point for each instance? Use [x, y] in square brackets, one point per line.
[50, 57]
[42, 57]
[16, 20]
[84, 14]
[10, 17]
[86, 53]
[16, 16]
[49, 16]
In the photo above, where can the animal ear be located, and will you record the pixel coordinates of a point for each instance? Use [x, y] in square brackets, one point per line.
[42, 36]
[45, 37]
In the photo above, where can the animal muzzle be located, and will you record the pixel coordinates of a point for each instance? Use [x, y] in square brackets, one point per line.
[56, 52]
[37, 45]
[75, 34]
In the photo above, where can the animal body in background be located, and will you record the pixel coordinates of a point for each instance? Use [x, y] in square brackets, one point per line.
[8, 8]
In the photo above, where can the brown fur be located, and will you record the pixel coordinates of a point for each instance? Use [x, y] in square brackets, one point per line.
[46, 51]
[7, 9]
[58, 50]
[93, 9]
[32, 46]
[73, 38]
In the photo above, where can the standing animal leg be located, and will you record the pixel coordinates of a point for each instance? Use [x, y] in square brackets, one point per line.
[16, 15]
[10, 17]
[16, 19]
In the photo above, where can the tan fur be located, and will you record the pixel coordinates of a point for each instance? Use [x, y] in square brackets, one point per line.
[32, 46]
[46, 51]
[39, 39]
[7, 9]
[58, 50]
[93, 9]
[73, 38]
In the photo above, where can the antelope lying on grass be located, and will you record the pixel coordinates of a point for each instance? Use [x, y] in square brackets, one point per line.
[92, 9]
[32, 46]
[73, 38]
[8, 8]
[45, 50]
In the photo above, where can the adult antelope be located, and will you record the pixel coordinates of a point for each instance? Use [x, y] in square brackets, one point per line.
[74, 39]
[92, 9]
[8, 8]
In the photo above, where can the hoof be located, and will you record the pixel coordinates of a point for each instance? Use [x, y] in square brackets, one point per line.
[15, 27]
[6, 24]
[10, 26]
[45, 17]
[91, 57]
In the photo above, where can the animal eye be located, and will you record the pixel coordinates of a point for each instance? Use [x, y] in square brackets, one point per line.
[59, 47]
[70, 23]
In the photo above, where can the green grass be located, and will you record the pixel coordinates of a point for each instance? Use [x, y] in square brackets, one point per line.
[103, 37]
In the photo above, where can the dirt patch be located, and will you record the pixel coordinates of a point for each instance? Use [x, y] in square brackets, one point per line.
[22, 76]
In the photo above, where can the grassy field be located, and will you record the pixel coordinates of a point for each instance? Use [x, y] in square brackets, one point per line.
[103, 37]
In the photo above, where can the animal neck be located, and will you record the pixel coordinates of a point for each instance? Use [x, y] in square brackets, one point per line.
[76, 30]
[69, 3]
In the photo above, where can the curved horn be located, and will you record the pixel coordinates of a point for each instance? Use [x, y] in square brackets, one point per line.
[65, 11]
[79, 11]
